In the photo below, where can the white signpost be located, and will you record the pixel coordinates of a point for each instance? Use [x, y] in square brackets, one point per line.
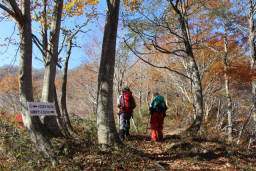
[41, 109]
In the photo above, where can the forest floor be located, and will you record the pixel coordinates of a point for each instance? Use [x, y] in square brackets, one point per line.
[190, 153]
[175, 152]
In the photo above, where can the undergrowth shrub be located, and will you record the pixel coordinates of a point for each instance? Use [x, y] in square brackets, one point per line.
[142, 121]
[85, 127]
[210, 131]
[15, 146]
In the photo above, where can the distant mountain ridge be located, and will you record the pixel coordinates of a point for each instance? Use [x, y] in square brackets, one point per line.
[37, 73]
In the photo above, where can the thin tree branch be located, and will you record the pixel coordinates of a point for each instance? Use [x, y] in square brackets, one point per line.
[62, 44]
[163, 50]
[16, 10]
[10, 12]
[38, 44]
[161, 67]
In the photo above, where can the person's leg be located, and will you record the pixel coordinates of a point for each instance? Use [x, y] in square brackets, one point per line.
[153, 135]
[122, 126]
[127, 126]
[160, 126]
[154, 126]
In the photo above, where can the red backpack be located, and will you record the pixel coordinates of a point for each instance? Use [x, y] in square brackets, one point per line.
[127, 102]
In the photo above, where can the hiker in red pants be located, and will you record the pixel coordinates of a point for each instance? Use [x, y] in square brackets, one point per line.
[158, 112]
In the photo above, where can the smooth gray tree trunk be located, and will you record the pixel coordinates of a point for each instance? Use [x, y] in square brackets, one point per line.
[252, 37]
[107, 134]
[59, 119]
[51, 60]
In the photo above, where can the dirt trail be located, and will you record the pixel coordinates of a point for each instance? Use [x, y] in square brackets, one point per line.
[176, 153]
[170, 131]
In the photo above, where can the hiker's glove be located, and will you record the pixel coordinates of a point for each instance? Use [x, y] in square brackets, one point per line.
[151, 110]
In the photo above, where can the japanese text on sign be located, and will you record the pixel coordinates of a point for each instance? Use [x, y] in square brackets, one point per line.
[41, 108]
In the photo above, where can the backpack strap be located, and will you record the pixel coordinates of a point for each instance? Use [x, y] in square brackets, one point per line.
[123, 104]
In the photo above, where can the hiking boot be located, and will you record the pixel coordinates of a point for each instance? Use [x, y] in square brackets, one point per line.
[122, 134]
[122, 138]
[127, 134]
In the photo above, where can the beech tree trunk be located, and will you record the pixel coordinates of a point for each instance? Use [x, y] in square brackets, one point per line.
[252, 38]
[50, 66]
[252, 44]
[59, 116]
[107, 134]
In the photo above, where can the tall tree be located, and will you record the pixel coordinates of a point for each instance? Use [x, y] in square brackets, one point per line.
[22, 16]
[252, 39]
[67, 123]
[252, 43]
[195, 76]
[107, 134]
[51, 60]
[227, 86]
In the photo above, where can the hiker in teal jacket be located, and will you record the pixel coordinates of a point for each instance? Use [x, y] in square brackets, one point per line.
[158, 111]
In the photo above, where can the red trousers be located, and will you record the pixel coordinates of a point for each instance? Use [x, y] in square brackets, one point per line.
[157, 121]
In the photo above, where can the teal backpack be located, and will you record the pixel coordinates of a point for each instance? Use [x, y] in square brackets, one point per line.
[158, 105]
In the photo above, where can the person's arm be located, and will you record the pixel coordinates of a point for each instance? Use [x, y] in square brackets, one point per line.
[151, 107]
[119, 101]
[165, 108]
[134, 103]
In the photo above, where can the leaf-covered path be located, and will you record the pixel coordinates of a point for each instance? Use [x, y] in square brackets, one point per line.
[187, 153]
[175, 152]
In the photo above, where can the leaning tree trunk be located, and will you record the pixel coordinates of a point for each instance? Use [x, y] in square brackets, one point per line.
[195, 75]
[67, 123]
[107, 134]
[244, 125]
[197, 98]
[59, 118]
[50, 66]
[32, 124]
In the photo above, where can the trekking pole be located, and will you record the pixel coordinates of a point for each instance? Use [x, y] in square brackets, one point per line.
[118, 119]
[134, 125]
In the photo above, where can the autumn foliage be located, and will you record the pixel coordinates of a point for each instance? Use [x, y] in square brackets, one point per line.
[169, 71]
[12, 120]
[9, 84]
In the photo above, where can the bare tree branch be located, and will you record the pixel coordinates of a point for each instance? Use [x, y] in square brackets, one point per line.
[163, 50]
[38, 44]
[16, 10]
[10, 12]
[162, 67]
